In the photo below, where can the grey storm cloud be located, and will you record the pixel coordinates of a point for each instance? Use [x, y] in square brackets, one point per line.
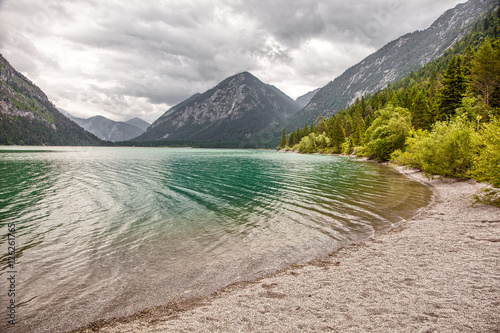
[135, 57]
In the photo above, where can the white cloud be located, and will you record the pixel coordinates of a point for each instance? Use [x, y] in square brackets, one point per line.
[137, 58]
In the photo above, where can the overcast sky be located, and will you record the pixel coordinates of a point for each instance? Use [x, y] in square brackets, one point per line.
[123, 59]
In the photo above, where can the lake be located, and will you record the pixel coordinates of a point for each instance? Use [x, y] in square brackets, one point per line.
[105, 232]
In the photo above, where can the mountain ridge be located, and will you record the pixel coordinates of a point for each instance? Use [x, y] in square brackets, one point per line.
[110, 130]
[393, 61]
[306, 98]
[27, 116]
[232, 111]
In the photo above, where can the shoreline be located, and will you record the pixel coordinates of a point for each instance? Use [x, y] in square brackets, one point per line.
[437, 271]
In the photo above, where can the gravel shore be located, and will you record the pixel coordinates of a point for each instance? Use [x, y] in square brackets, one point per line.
[438, 272]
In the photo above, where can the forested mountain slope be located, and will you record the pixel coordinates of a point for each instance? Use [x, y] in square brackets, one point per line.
[394, 61]
[28, 117]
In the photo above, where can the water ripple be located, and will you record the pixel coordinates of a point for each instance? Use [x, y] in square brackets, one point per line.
[108, 231]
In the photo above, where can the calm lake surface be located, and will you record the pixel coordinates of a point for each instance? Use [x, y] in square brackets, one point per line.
[103, 232]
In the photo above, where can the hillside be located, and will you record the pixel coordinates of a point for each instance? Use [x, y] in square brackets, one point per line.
[28, 117]
[443, 119]
[394, 61]
[226, 115]
[305, 99]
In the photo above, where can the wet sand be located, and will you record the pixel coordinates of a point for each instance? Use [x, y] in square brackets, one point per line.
[438, 272]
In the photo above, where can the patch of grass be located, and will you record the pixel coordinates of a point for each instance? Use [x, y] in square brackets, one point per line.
[488, 196]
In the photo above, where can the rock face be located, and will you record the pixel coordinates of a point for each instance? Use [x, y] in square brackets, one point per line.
[28, 117]
[233, 111]
[394, 61]
[305, 99]
[109, 130]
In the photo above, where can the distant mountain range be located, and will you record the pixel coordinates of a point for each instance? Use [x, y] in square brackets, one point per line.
[109, 130]
[28, 117]
[229, 114]
[241, 111]
[226, 114]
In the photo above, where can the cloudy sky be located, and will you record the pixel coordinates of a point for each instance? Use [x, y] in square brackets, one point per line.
[123, 59]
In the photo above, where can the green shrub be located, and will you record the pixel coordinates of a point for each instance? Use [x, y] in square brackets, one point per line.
[408, 157]
[486, 165]
[447, 150]
[307, 145]
[489, 196]
[347, 148]
[313, 143]
[387, 133]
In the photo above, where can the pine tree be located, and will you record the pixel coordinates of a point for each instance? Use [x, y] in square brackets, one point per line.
[485, 71]
[283, 139]
[453, 90]
[291, 139]
[337, 134]
[421, 111]
[359, 128]
[321, 127]
[305, 131]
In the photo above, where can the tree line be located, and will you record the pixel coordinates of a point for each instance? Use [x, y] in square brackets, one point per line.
[443, 119]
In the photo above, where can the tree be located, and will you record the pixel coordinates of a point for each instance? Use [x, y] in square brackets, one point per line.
[321, 127]
[485, 71]
[486, 166]
[388, 132]
[337, 134]
[291, 139]
[358, 125]
[283, 139]
[421, 111]
[305, 130]
[453, 90]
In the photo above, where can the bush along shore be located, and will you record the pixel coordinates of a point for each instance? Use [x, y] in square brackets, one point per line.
[443, 119]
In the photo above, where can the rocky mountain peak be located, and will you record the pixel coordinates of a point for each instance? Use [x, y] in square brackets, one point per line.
[233, 110]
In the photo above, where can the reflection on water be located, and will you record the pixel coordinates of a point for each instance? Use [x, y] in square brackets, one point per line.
[106, 232]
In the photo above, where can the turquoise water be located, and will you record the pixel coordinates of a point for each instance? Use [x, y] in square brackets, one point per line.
[103, 232]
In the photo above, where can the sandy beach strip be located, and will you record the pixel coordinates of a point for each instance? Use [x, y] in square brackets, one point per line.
[438, 272]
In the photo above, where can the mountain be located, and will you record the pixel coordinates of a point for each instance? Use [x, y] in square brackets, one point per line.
[110, 130]
[138, 122]
[305, 99]
[226, 115]
[28, 117]
[107, 129]
[394, 61]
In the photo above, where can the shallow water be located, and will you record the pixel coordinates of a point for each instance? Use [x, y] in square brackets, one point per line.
[103, 232]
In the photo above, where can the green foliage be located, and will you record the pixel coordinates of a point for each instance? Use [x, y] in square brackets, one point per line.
[453, 89]
[322, 127]
[490, 196]
[21, 130]
[438, 119]
[421, 111]
[313, 143]
[307, 144]
[447, 150]
[283, 141]
[485, 73]
[387, 133]
[337, 135]
[347, 147]
[486, 166]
